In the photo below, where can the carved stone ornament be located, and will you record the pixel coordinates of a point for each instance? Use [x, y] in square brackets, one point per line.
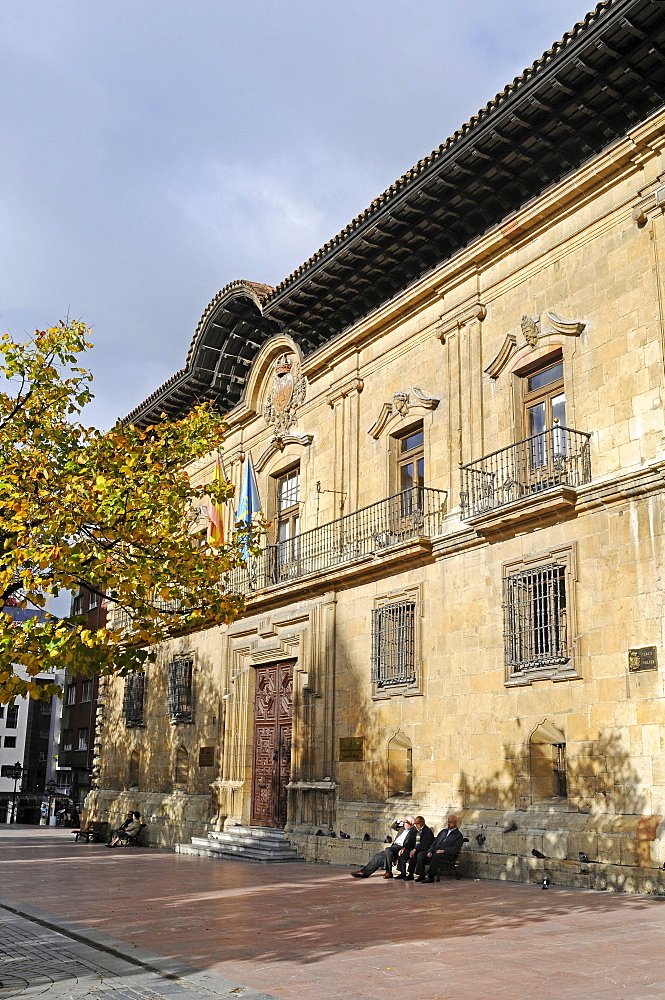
[531, 329]
[286, 395]
[401, 405]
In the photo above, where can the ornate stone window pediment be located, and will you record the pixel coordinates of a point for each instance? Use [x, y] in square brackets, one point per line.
[401, 405]
[533, 328]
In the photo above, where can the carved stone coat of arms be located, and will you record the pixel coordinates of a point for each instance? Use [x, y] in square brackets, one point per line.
[287, 392]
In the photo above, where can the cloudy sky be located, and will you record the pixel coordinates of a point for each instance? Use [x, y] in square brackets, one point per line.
[154, 150]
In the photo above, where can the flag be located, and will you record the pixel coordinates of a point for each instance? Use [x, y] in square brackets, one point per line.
[215, 525]
[249, 502]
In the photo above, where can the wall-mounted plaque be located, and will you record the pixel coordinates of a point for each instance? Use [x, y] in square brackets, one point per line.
[643, 659]
[351, 748]
[206, 756]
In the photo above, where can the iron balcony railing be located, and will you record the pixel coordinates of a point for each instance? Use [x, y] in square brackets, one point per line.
[555, 457]
[414, 513]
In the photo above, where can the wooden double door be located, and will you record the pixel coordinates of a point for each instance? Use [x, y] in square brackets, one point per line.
[273, 715]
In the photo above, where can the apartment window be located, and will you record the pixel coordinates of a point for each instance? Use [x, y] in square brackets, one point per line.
[10, 742]
[535, 618]
[11, 721]
[134, 765]
[132, 706]
[77, 605]
[93, 600]
[179, 694]
[181, 767]
[83, 739]
[544, 407]
[71, 694]
[393, 645]
[86, 691]
[2, 711]
[287, 496]
[66, 739]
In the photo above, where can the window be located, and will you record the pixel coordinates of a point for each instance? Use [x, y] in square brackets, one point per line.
[66, 739]
[179, 695]
[45, 707]
[93, 600]
[544, 405]
[400, 765]
[538, 616]
[86, 691]
[410, 457]
[181, 767]
[287, 493]
[547, 763]
[2, 711]
[83, 739]
[132, 706]
[10, 742]
[71, 694]
[134, 765]
[11, 721]
[77, 605]
[393, 644]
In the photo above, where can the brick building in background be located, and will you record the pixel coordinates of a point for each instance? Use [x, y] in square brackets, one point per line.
[79, 709]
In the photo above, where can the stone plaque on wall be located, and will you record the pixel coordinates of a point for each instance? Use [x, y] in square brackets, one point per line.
[643, 659]
[351, 748]
[206, 756]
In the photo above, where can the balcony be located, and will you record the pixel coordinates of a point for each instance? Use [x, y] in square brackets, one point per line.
[384, 529]
[542, 472]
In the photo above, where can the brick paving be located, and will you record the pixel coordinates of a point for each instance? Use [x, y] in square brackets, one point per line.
[310, 932]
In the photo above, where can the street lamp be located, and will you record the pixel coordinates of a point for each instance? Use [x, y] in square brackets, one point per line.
[50, 788]
[16, 773]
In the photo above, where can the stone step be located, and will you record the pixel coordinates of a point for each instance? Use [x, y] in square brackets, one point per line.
[259, 845]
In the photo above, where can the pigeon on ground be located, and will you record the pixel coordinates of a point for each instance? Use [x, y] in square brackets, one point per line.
[367, 837]
[344, 836]
[583, 858]
[319, 833]
[538, 854]
[546, 883]
[333, 834]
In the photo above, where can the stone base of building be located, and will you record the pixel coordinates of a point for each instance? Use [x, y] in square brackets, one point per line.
[625, 852]
[170, 818]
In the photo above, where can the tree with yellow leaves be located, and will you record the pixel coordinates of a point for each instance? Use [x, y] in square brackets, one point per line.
[109, 511]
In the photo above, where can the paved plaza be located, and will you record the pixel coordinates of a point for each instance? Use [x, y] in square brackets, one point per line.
[166, 925]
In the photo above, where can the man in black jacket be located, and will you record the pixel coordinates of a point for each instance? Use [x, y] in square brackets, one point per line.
[448, 844]
[418, 840]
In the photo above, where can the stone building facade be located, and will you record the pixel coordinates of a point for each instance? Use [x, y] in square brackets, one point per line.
[455, 413]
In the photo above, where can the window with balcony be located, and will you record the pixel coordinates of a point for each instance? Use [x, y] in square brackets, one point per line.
[410, 459]
[132, 705]
[537, 612]
[395, 643]
[83, 739]
[71, 694]
[287, 520]
[86, 691]
[179, 691]
[544, 407]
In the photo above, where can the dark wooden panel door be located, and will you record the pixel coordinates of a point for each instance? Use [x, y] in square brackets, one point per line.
[273, 706]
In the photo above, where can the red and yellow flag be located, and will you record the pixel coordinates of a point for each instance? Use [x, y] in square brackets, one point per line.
[215, 524]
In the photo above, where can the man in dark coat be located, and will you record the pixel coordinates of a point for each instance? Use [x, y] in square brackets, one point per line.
[419, 839]
[385, 859]
[447, 845]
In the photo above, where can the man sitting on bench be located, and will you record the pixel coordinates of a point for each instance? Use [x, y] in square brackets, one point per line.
[128, 830]
[445, 848]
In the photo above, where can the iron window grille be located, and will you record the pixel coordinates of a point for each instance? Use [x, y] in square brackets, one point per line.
[534, 609]
[393, 644]
[179, 697]
[132, 706]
